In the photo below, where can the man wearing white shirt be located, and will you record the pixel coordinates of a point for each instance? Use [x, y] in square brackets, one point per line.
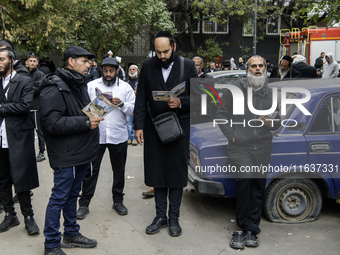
[113, 135]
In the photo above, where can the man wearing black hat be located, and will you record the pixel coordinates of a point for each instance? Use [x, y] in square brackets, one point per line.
[72, 144]
[113, 135]
[17, 66]
[165, 165]
[285, 70]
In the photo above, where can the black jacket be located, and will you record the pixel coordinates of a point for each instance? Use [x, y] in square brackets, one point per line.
[20, 69]
[318, 63]
[69, 139]
[20, 133]
[306, 71]
[165, 165]
[37, 77]
[292, 74]
[246, 135]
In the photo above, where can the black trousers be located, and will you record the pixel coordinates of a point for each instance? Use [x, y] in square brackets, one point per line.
[37, 125]
[250, 186]
[118, 153]
[6, 193]
[175, 198]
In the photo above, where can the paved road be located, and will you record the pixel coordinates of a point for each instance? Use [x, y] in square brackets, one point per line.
[207, 223]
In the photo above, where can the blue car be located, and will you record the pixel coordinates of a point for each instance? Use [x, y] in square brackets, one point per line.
[305, 161]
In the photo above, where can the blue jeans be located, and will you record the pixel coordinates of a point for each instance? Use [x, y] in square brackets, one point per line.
[67, 184]
[131, 131]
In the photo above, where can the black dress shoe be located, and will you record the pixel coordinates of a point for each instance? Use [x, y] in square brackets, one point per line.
[79, 241]
[9, 222]
[31, 226]
[174, 228]
[82, 211]
[156, 226]
[54, 251]
[120, 208]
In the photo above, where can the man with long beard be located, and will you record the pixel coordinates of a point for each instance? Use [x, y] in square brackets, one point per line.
[17, 156]
[165, 165]
[285, 69]
[249, 146]
[113, 135]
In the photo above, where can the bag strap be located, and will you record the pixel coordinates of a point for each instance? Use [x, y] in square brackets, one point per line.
[181, 74]
[150, 112]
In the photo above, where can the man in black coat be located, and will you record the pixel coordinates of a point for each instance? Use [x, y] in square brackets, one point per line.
[285, 70]
[18, 166]
[165, 165]
[17, 66]
[249, 146]
[320, 60]
[72, 141]
[306, 71]
[37, 77]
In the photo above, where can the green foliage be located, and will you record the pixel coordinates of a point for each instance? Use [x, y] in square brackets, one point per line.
[211, 52]
[328, 11]
[43, 25]
[112, 24]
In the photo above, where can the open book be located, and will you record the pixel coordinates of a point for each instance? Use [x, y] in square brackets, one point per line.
[100, 106]
[167, 95]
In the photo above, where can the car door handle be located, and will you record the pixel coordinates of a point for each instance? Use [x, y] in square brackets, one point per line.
[320, 147]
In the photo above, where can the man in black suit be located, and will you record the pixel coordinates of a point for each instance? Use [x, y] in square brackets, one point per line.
[18, 165]
[285, 70]
[165, 165]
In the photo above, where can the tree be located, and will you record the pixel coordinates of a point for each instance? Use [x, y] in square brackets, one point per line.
[293, 13]
[38, 25]
[43, 25]
[328, 11]
[112, 24]
[212, 51]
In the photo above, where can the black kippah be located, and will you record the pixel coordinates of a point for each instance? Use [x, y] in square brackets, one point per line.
[163, 34]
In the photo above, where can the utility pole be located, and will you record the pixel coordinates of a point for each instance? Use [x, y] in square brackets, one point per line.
[254, 30]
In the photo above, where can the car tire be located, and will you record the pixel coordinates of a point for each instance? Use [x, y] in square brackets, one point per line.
[292, 201]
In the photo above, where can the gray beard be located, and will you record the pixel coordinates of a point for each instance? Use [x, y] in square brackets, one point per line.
[109, 82]
[256, 80]
[283, 73]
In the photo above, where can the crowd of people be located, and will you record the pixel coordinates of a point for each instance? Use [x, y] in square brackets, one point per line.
[52, 102]
[291, 67]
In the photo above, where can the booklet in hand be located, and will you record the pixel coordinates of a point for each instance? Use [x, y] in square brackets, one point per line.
[167, 95]
[100, 106]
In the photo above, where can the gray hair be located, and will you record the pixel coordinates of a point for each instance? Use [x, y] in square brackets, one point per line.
[255, 56]
[197, 57]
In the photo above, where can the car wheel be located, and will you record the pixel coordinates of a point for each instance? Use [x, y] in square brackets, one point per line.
[292, 201]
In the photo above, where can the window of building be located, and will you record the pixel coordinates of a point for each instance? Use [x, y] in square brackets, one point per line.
[248, 27]
[181, 24]
[273, 25]
[209, 27]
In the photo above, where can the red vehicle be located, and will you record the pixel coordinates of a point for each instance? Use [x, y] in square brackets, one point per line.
[310, 42]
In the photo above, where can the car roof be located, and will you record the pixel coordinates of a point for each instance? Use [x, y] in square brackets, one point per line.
[226, 73]
[314, 86]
